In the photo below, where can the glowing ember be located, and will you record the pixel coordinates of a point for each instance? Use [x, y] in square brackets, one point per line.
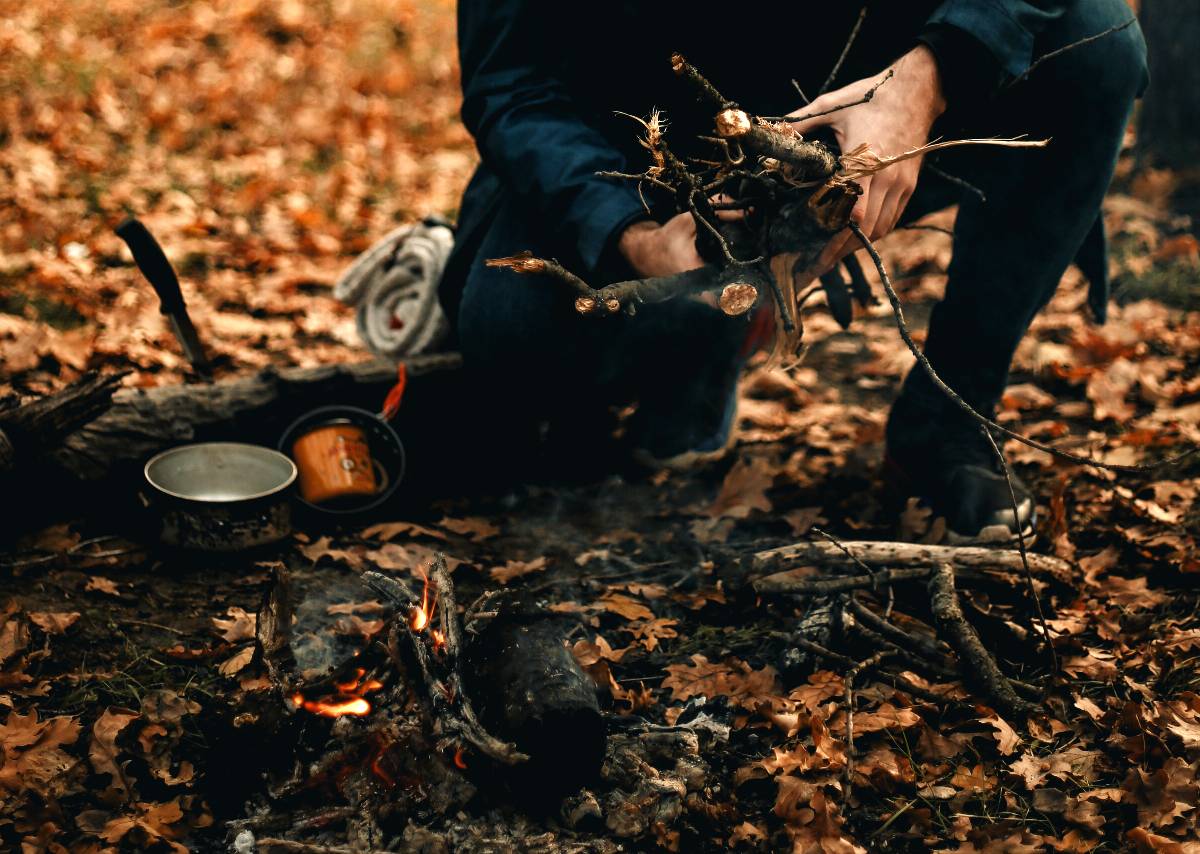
[356, 706]
[459, 761]
[439, 639]
[349, 699]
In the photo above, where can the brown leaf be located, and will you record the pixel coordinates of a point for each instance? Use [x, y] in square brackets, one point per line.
[972, 779]
[1007, 739]
[1108, 390]
[515, 569]
[148, 824]
[388, 531]
[649, 632]
[410, 558]
[732, 678]
[14, 637]
[744, 489]
[104, 752]
[625, 606]
[33, 758]
[102, 585]
[476, 528]
[52, 622]
[240, 626]
[321, 550]
[231, 666]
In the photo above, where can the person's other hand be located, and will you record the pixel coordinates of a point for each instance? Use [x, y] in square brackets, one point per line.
[896, 119]
[661, 250]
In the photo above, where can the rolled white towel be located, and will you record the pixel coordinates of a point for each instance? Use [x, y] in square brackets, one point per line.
[394, 285]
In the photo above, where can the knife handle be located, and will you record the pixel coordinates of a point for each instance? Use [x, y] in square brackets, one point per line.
[153, 263]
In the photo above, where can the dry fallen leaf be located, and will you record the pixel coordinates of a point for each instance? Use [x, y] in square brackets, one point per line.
[515, 569]
[105, 754]
[476, 528]
[231, 666]
[52, 622]
[239, 627]
[102, 585]
[744, 489]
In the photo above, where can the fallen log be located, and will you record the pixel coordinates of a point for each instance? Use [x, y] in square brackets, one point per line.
[97, 466]
[28, 430]
[254, 408]
[892, 554]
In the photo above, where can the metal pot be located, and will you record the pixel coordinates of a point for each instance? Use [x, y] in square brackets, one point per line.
[222, 496]
[386, 451]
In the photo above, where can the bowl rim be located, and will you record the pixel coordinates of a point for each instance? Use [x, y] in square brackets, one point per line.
[291, 478]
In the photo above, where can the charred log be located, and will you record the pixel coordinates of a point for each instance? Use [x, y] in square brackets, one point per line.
[531, 691]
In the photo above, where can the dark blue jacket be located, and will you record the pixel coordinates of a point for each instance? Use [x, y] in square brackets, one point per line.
[542, 81]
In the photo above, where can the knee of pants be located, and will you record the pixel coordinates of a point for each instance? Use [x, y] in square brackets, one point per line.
[1113, 68]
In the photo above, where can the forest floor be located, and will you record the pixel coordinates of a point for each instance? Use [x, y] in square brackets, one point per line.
[266, 144]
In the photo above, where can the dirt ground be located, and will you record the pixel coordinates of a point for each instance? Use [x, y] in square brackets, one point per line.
[266, 144]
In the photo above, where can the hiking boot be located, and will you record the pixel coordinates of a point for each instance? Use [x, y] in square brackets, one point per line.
[693, 424]
[686, 436]
[949, 464]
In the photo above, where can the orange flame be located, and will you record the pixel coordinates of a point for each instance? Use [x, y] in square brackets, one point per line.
[349, 699]
[459, 761]
[423, 613]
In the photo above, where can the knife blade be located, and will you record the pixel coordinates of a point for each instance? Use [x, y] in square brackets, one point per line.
[153, 263]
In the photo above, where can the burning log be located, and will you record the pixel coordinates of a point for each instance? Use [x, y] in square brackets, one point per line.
[438, 655]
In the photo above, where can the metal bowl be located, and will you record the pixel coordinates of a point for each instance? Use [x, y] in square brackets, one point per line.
[222, 496]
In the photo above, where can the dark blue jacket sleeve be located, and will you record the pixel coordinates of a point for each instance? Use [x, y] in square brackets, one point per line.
[530, 133]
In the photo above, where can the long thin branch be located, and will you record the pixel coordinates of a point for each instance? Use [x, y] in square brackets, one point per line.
[1060, 51]
[791, 585]
[837, 66]
[1037, 600]
[848, 680]
[892, 554]
[865, 99]
[929, 647]
[983, 420]
[980, 668]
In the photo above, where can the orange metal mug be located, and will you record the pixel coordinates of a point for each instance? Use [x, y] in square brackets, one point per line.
[334, 463]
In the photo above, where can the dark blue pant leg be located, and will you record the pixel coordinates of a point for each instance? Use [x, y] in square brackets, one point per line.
[1011, 250]
[520, 334]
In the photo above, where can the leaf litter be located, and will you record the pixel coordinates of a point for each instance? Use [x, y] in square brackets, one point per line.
[111, 684]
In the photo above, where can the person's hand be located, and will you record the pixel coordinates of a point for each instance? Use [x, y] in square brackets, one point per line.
[661, 250]
[896, 119]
